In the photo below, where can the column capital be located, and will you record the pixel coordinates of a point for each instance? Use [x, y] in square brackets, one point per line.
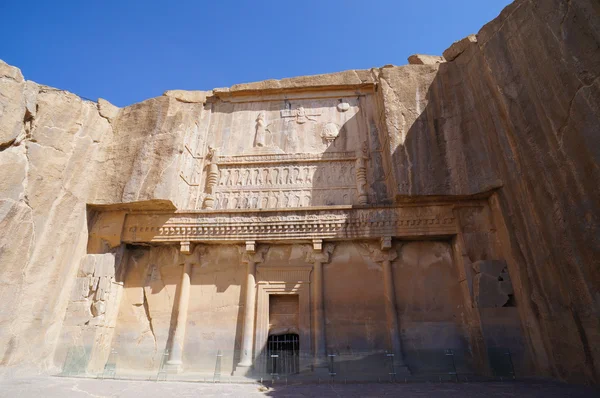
[250, 246]
[317, 245]
[386, 243]
[191, 254]
[254, 253]
[320, 256]
[378, 254]
[185, 247]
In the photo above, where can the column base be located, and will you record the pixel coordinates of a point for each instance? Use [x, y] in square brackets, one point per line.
[243, 370]
[402, 370]
[174, 367]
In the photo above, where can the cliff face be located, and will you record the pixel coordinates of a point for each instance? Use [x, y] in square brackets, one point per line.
[58, 154]
[516, 108]
[520, 107]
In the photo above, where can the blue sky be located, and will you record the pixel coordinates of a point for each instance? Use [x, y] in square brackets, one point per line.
[127, 51]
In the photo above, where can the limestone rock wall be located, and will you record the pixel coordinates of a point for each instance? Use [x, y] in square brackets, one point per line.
[58, 153]
[516, 107]
[519, 106]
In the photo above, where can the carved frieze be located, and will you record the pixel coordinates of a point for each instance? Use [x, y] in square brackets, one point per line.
[281, 181]
[287, 158]
[300, 224]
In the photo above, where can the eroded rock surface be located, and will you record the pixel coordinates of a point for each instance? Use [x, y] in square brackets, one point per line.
[516, 108]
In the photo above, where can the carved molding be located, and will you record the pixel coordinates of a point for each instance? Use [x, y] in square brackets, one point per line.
[261, 159]
[283, 274]
[302, 224]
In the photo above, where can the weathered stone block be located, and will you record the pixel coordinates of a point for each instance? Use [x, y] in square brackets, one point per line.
[421, 59]
[458, 47]
[81, 289]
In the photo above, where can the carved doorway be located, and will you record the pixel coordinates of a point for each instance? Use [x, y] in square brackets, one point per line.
[283, 308]
[283, 344]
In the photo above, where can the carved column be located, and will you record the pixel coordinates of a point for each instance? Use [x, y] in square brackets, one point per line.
[251, 257]
[176, 348]
[318, 257]
[212, 178]
[361, 175]
[386, 256]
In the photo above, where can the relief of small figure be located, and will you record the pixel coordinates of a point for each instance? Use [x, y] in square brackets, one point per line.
[287, 199]
[309, 173]
[244, 179]
[256, 177]
[343, 174]
[306, 199]
[273, 200]
[318, 177]
[297, 179]
[259, 139]
[264, 201]
[244, 202]
[224, 177]
[296, 199]
[285, 175]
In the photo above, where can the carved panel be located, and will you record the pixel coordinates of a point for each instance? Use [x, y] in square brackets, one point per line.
[284, 185]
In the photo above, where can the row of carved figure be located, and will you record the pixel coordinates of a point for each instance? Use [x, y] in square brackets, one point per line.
[339, 173]
[283, 199]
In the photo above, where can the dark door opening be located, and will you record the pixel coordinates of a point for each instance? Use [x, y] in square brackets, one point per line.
[283, 354]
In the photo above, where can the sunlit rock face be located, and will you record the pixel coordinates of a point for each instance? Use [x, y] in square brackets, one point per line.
[398, 212]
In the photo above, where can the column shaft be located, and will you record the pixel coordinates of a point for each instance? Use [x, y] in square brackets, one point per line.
[176, 351]
[391, 313]
[320, 343]
[249, 309]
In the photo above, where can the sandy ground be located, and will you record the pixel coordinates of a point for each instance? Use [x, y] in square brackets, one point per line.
[50, 387]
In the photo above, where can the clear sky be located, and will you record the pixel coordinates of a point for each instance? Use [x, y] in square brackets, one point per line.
[127, 51]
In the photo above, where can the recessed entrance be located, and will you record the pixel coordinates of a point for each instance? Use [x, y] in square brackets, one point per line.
[283, 344]
[283, 354]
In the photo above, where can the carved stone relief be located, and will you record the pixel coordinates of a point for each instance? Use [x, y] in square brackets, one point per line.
[302, 224]
[270, 186]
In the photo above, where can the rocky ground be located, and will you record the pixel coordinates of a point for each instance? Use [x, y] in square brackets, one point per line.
[49, 387]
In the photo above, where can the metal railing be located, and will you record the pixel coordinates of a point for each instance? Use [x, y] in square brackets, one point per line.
[282, 359]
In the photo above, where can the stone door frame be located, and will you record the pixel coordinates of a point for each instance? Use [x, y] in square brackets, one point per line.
[284, 280]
